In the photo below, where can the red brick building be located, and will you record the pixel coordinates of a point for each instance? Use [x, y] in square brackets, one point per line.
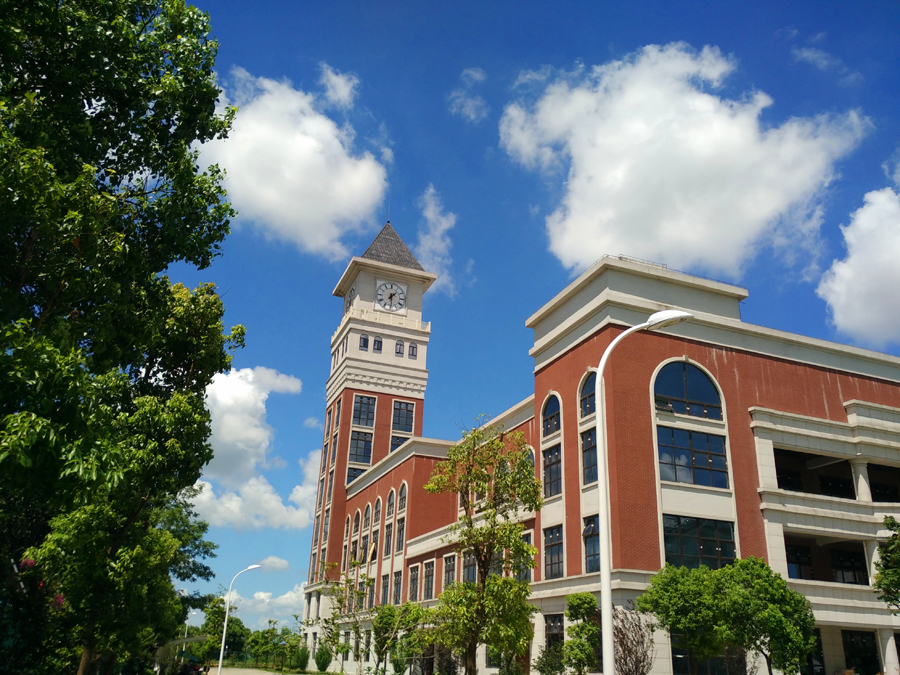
[725, 440]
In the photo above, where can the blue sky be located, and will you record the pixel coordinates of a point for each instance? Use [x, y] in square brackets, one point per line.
[513, 144]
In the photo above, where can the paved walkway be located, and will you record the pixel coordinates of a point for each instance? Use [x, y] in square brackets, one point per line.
[240, 671]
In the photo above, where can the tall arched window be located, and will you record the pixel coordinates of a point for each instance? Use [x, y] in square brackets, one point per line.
[390, 505]
[551, 415]
[413, 350]
[347, 528]
[376, 518]
[364, 343]
[401, 501]
[588, 405]
[366, 517]
[356, 523]
[398, 348]
[376, 345]
[685, 389]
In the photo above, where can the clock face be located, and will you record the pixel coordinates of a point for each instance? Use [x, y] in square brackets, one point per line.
[348, 303]
[391, 296]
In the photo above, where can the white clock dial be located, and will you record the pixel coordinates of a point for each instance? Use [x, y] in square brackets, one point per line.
[391, 296]
[348, 302]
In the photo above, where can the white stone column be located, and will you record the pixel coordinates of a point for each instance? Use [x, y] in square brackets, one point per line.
[765, 463]
[861, 480]
[889, 661]
[871, 557]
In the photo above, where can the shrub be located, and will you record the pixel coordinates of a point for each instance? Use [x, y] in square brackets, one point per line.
[323, 658]
[303, 657]
[549, 661]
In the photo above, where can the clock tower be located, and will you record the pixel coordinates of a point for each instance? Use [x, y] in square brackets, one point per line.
[376, 388]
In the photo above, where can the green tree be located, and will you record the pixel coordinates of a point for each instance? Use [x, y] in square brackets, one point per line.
[887, 567]
[236, 638]
[493, 475]
[323, 658]
[580, 651]
[346, 591]
[396, 634]
[303, 657]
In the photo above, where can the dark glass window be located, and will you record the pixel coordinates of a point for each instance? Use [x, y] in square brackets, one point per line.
[588, 389]
[589, 456]
[691, 542]
[470, 569]
[397, 441]
[364, 549]
[551, 416]
[524, 573]
[398, 580]
[384, 589]
[799, 561]
[324, 455]
[692, 457]
[834, 486]
[403, 416]
[321, 494]
[388, 533]
[373, 549]
[398, 348]
[413, 584]
[354, 551]
[849, 567]
[330, 484]
[401, 532]
[553, 629]
[684, 388]
[553, 552]
[376, 345]
[364, 343]
[428, 586]
[313, 571]
[376, 517]
[347, 528]
[552, 471]
[789, 480]
[449, 570]
[368, 511]
[884, 492]
[684, 664]
[353, 474]
[390, 506]
[372, 594]
[401, 500]
[337, 414]
[413, 350]
[328, 425]
[861, 652]
[360, 447]
[325, 526]
[334, 448]
[591, 535]
[364, 411]
[815, 660]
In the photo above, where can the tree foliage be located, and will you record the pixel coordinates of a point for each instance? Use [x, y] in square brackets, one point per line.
[493, 475]
[397, 634]
[580, 651]
[744, 606]
[887, 567]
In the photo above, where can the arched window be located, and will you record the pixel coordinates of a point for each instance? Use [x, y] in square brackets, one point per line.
[376, 518]
[347, 528]
[685, 389]
[413, 350]
[356, 523]
[398, 348]
[401, 501]
[551, 415]
[588, 405]
[366, 517]
[363, 343]
[376, 345]
[390, 505]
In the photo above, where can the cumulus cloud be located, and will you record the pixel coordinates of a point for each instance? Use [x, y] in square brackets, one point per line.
[661, 167]
[312, 423]
[824, 61]
[861, 289]
[266, 605]
[433, 246]
[293, 172]
[340, 88]
[463, 102]
[274, 564]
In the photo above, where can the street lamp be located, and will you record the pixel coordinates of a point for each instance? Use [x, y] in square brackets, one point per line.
[227, 602]
[663, 319]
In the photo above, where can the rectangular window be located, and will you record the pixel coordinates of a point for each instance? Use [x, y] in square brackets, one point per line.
[691, 542]
[401, 531]
[313, 571]
[376, 345]
[384, 589]
[683, 663]
[372, 594]
[316, 532]
[346, 654]
[589, 456]
[428, 588]
[524, 573]
[353, 474]
[388, 532]
[373, 549]
[470, 569]
[334, 449]
[449, 570]
[413, 584]
[552, 471]
[324, 455]
[330, 484]
[835, 486]
[325, 526]
[398, 580]
[403, 416]
[861, 652]
[692, 457]
[553, 552]
[364, 411]
[849, 567]
[591, 535]
[337, 415]
[799, 561]
[364, 549]
[360, 447]
[885, 492]
[368, 643]
[321, 492]
[554, 630]
[354, 551]
[397, 441]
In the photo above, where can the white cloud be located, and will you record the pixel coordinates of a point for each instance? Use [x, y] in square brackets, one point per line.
[463, 103]
[292, 171]
[266, 606]
[824, 61]
[340, 88]
[861, 289]
[660, 167]
[312, 423]
[274, 564]
[433, 247]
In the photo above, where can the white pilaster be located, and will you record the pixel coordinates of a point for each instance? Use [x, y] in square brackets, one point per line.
[889, 661]
[861, 480]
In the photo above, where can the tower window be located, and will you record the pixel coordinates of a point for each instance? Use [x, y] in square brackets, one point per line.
[398, 348]
[551, 416]
[360, 447]
[588, 389]
[376, 345]
[403, 416]
[413, 350]
[363, 343]
[364, 411]
[353, 474]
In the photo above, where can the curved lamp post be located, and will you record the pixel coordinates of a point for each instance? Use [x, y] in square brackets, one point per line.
[667, 317]
[227, 603]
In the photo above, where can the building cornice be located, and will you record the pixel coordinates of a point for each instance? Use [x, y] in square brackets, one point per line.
[423, 447]
[396, 271]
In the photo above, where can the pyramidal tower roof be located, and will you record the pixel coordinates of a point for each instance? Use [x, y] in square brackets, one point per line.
[389, 248]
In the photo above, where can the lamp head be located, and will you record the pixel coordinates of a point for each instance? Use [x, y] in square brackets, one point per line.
[253, 567]
[666, 318]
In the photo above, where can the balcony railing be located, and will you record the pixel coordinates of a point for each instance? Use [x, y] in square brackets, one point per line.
[384, 318]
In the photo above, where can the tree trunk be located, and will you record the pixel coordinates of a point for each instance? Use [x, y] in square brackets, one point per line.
[87, 657]
[471, 652]
[768, 662]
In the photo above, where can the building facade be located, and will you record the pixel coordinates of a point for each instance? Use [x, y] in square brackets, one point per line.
[725, 440]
